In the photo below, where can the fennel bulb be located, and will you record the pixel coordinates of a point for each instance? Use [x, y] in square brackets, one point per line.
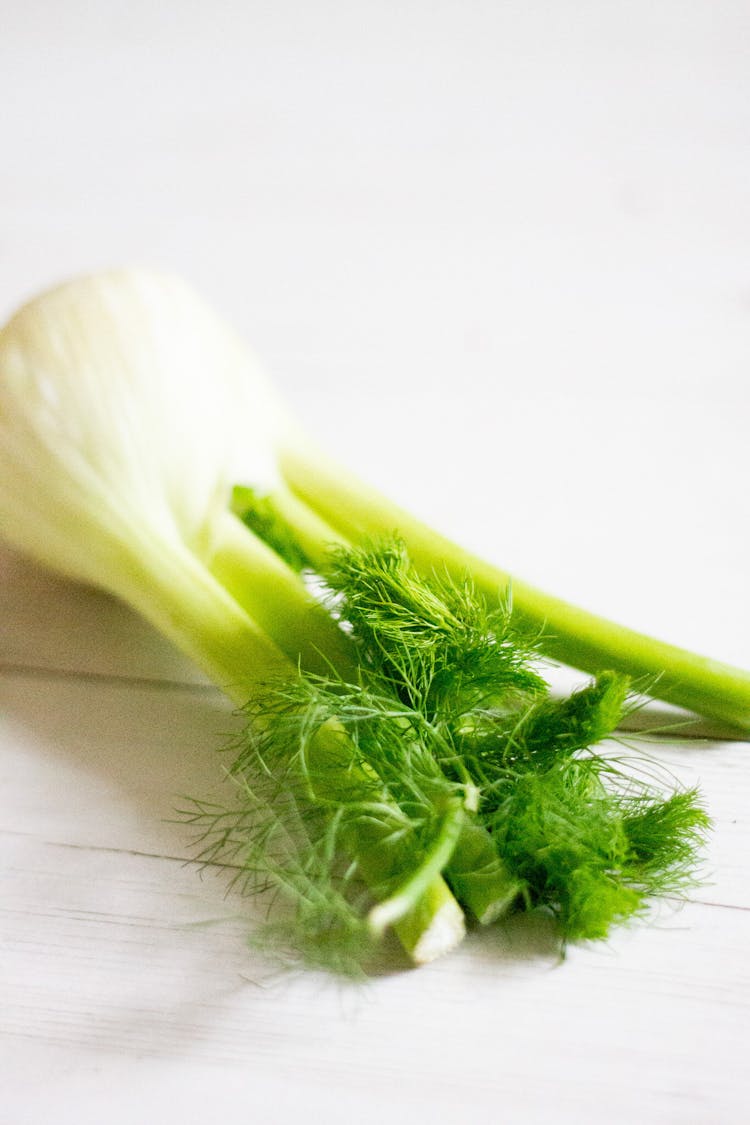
[94, 484]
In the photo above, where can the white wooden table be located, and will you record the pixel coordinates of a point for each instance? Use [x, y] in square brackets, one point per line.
[497, 256]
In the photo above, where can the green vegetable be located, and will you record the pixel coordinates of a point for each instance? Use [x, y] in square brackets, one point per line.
[402, 755]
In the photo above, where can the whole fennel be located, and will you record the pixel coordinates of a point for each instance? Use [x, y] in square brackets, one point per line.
[126, 414]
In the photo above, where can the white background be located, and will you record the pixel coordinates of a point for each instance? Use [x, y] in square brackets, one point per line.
[496, 256]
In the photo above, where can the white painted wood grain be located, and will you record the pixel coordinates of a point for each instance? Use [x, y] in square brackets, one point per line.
[496, 256]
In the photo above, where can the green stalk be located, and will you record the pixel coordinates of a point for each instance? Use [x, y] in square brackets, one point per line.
[314, 534]
[274, 596]
[421, 908]
[433, 925]
[479, 876]
[567, 633]
[391, 910]
[172, 589]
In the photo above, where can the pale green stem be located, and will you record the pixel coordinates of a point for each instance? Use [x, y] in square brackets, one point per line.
[479, 876]
[433, 926]
[567, 633]
[423, 912]
[172, 589]
[313, 533]
[278, 600]
[401, 901]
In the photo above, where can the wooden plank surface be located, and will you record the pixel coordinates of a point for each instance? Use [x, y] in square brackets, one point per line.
[496, 257]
